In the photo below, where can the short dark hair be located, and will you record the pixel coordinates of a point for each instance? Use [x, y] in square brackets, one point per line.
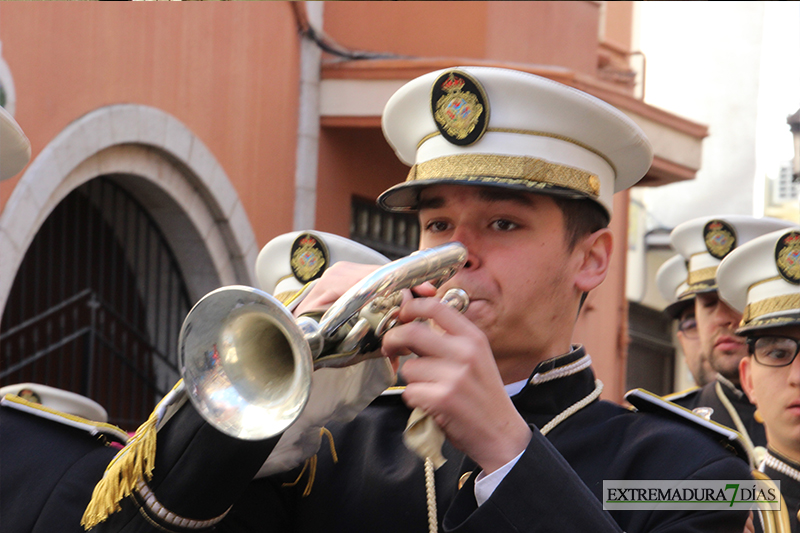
[582, 217]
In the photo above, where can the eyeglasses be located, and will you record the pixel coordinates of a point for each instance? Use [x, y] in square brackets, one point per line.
[772, 350]
[688, 326]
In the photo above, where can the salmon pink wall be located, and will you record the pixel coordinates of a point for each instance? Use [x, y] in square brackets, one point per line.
[549, 33]
[352, 161]
[228, 71]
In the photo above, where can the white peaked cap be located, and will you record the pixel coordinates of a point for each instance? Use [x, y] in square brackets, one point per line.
[671, 283]
[61, 400]
[761, 280]
[15, 148]
[506, 128]
[289, 261]
[705, 241]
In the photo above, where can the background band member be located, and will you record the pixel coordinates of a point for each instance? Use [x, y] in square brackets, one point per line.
[761, 281]
[671, 282]
[704, 242]
[54, 444]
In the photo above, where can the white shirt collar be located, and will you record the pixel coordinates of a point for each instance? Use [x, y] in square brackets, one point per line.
[514, 388]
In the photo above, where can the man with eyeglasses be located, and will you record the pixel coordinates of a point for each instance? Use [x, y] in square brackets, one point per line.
[671, 282]
[704, 243]
[762, 281]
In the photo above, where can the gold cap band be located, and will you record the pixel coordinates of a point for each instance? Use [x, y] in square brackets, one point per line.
[701, 276]
[536, 134]
[506, 169]
[770, 305]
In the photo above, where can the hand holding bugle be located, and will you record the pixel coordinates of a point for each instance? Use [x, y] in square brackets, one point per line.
[247, 361]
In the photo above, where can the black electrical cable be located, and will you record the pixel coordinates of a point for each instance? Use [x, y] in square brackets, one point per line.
[306, 30]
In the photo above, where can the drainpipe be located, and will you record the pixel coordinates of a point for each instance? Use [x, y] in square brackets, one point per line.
[305, 178]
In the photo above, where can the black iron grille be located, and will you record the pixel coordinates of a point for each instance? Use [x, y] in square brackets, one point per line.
[97, 304]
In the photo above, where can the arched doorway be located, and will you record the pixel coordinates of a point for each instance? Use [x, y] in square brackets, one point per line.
[97, 304]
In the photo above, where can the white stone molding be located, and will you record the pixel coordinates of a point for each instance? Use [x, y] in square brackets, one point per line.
[161, 163]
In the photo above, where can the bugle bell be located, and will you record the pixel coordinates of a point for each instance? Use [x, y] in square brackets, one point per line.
[246, 361]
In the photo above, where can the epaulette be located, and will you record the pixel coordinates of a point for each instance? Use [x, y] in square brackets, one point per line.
[92, 427]
[647, 402]
[680, 394]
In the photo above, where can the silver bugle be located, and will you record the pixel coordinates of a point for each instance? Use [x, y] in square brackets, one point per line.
[247, 362]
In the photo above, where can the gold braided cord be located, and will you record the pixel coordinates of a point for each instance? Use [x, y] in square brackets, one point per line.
[508, 169]
[312, 475]
[535, 134]
[300, 475]
[699, 276]
[737, 421]
[430, 496]
[770, 305]
[327, 433]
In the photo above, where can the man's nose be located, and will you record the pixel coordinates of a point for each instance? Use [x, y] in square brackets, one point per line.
[469, 239]
[794, 372]
[727, 316]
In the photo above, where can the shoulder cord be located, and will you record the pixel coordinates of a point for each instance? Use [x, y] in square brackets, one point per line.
[430, 486]
[736, 420]
[562, 371]
[430, 492]
[574, 408]
[776, 464]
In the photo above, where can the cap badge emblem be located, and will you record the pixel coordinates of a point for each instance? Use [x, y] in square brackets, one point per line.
[787, 257]
[720, 238]
[309, 258]
[460, 107]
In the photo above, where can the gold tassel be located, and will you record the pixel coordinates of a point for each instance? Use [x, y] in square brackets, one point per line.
[299, 476]
[311, 465]
[133, 462]
[312, 475]
[326, 432]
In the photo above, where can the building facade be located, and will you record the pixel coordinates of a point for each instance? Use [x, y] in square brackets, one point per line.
[172, 141]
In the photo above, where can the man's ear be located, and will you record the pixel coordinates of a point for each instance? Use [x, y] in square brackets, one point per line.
[746, 378]
[594, 254]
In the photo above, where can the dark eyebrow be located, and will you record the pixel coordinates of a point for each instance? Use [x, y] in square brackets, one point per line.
[504, 195]
[430, 203]
[488, 194]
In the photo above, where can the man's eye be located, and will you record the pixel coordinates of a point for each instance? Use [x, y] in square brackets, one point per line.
[772, 350]
[707, 301]
[504, 225]
[779, 354]
[436, 226]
